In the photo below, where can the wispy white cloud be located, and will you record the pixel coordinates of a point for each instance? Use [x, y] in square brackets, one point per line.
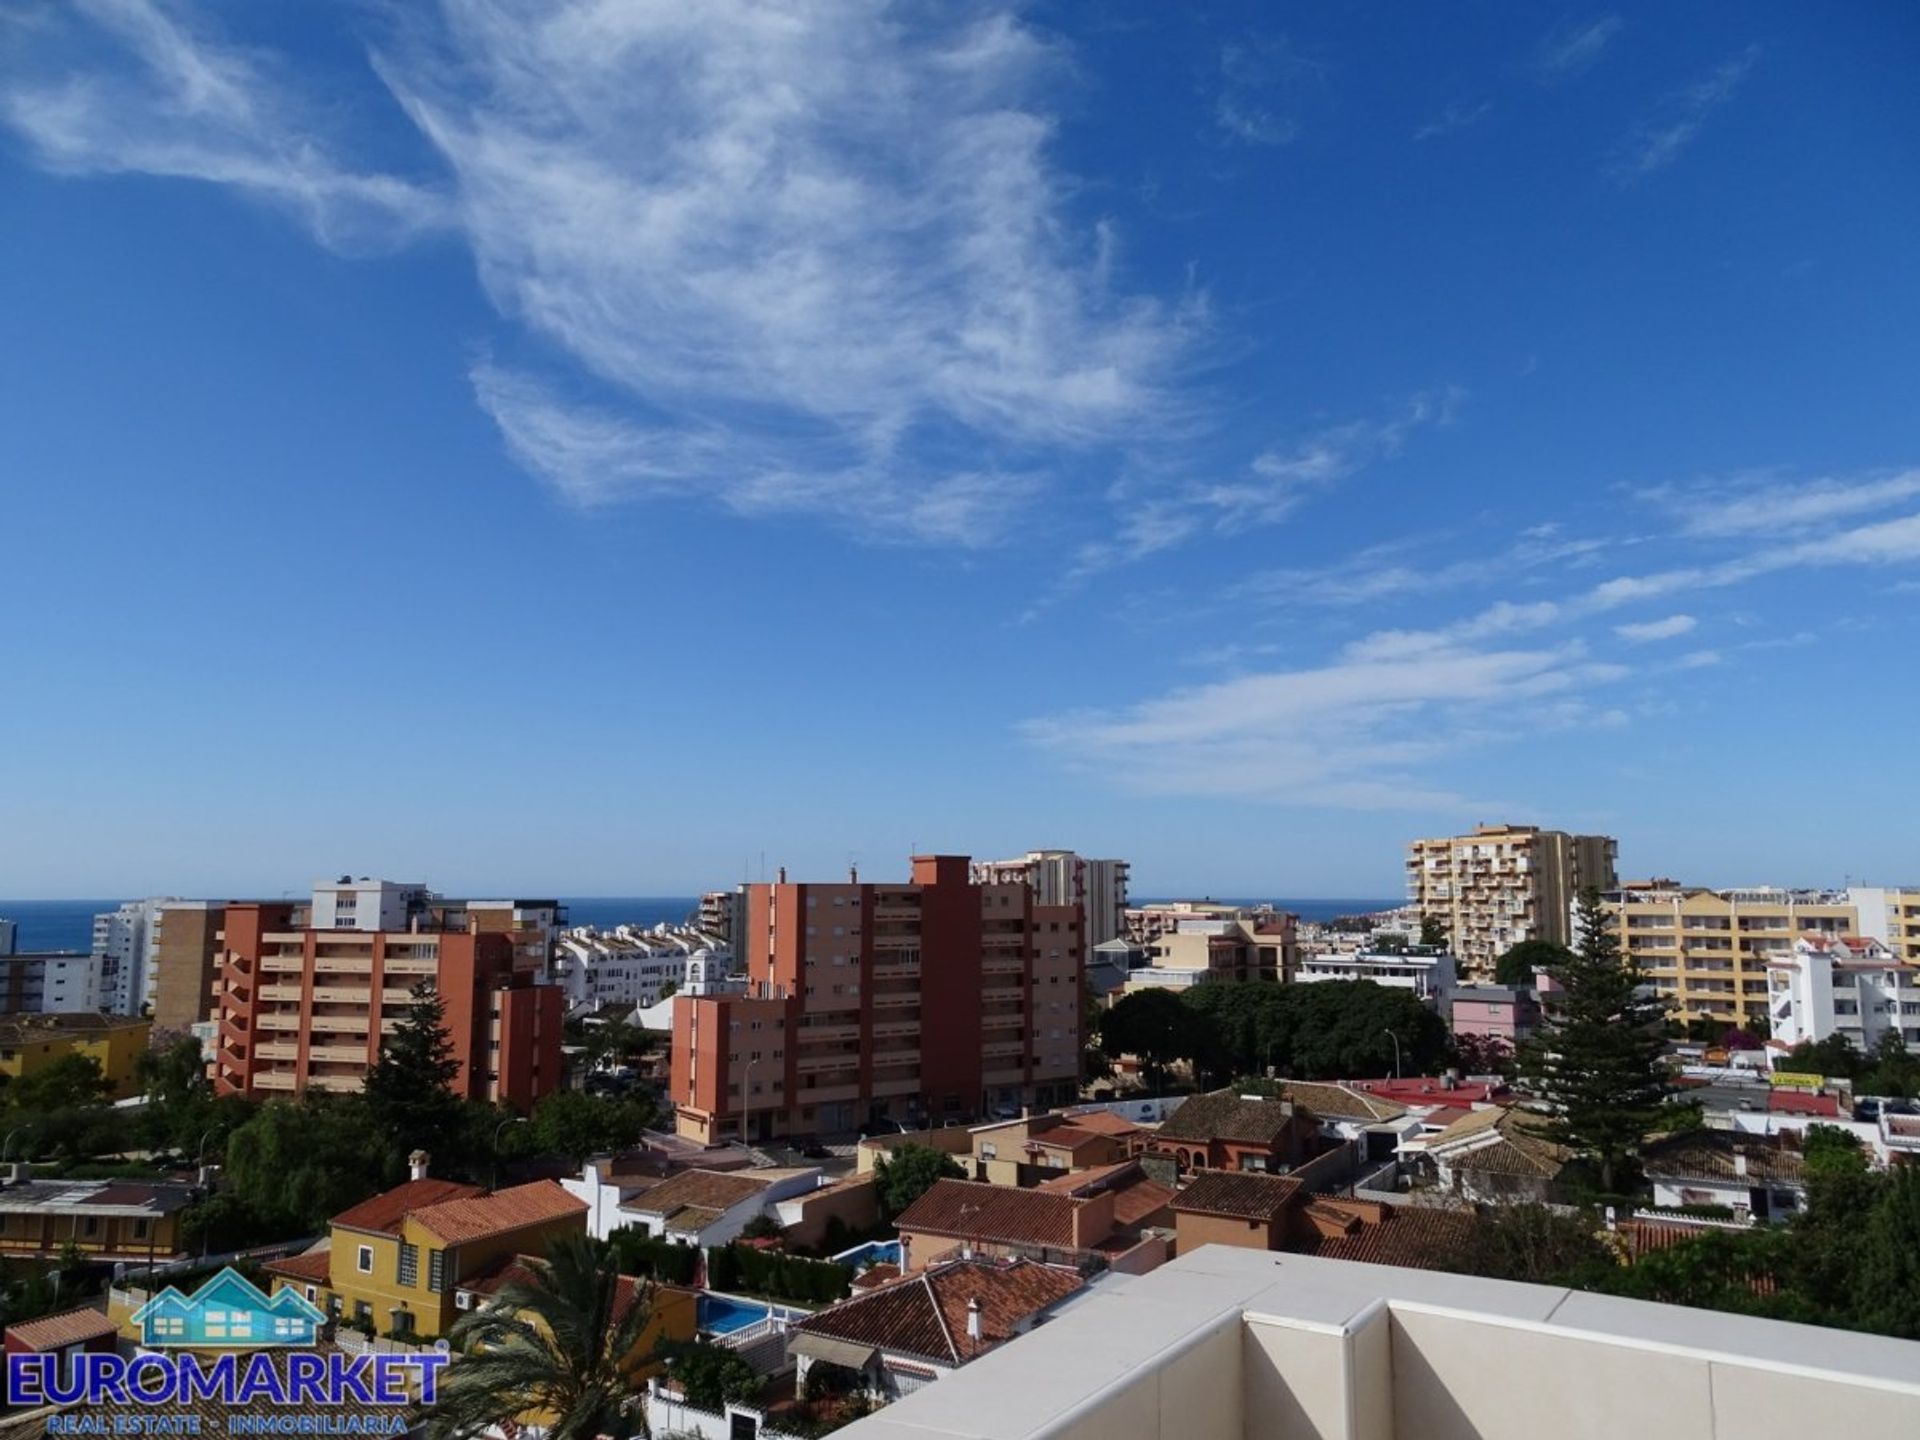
[1364, 731]
[811, 258]
[166, 99]
[1574, 46]
[1456, 117]
[1645, 631]
[1768, 506]
[1260, 87]
[1678, 120]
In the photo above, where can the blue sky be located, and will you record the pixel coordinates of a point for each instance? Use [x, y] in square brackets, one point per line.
[587, 447]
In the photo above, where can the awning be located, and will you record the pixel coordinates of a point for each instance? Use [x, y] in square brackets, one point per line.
[835, 1352]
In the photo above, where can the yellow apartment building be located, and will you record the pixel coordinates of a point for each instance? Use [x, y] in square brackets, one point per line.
[1708, 949]
[32, 1042]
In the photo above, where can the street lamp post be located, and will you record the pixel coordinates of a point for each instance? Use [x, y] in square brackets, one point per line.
[1396, 1051]
[497, 1131]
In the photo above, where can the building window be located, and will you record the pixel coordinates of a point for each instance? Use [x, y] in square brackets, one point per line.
[437, 1271]
[409, 1264]
[365, 1260]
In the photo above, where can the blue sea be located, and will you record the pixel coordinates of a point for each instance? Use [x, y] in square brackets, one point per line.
[68, 924]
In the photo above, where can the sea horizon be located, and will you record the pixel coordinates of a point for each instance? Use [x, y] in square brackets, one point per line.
[46, 925]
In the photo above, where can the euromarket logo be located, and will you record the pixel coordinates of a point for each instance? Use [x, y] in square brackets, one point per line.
[229, 1310]
[230, 1344]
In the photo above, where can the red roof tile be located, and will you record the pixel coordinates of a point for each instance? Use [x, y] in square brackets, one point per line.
[1245, 1196]
[1420, 1237]
[56, 1332]
[479, 1217]
[313, 1267]
[1798, 1102]
[973, 1210]
[926, 1315]
[384, 1212]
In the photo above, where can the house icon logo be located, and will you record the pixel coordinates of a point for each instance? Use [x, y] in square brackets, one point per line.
[228, 1312]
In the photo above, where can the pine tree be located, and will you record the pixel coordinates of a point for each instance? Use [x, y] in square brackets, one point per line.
[410, 1091]
[1596, 1065]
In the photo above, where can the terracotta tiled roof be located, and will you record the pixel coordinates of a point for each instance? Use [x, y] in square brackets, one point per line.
[1137, 1196]
[1224, 1115]
[1066, 1137]
[384, 1212]
[1104, 1121]
[703, 1189]
[1517, 1146]
[477, 1217]
[312, 1267]
[1245, 1195]
[1798, 1102]
[874, 1276]
[1711, 1155]
[56, 1332]
[1341, 1102]
[926, 1315]
[973, 1210]
[520, 1270]
[1420, 1237]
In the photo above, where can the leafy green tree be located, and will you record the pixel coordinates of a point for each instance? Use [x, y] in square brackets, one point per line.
[575, 1124]
[409, 1091]
[906, 1173]
[1155, 1026]
[1888, 1285]
[1337, 1029]
[564, 1341]
[1835, 1057]
[1596, 1064]
[298, 1163]
[1434, 931]
[68, 1082]
[710, 1375]
[1530, 1242]
[1519, 963]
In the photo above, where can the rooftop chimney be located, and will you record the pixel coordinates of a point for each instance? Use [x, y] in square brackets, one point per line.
[853, 874]
[973, 1321]
[417, 1164]
[783, 874]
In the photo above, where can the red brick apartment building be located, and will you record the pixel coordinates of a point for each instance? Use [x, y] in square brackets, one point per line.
[298, 1006]
[931, 1001]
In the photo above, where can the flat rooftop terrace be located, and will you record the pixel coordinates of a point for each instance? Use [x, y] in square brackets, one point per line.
[1231, 1344]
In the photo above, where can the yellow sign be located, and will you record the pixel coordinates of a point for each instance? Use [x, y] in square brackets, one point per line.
[1798, 1082]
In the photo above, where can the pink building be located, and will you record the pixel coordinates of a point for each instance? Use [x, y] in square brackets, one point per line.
[1504, 1012]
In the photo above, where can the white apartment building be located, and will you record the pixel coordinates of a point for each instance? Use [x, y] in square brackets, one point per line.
[51, 982]
[1061, 877]
[1427, 970]
[364, 904]
[1891, 916]
[1503, 884]
[124, 939]
[629, 966]
[1842, 985]
[1226, 1343]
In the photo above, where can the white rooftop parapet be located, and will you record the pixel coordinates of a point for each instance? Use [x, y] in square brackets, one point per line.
[1232, 1344]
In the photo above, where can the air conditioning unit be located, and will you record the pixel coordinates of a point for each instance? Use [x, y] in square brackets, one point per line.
[463, 1300]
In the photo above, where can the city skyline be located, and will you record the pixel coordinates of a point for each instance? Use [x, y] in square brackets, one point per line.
[1239, 445]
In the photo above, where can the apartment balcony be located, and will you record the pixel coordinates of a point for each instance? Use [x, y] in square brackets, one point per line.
[991, 993]
[341, 1054]
[895, 970]
[823, 1034]
[396, 997]
[283, 964]
[338, 1083]
[893, 1029]
[426, 968]
[888, 1089]
[272, 1021]
[277, 1050]
[353, 1024]
[284, 1080]
[342, 995]
[343, 965]
[894, 999]
[822, 1064]
[282, 992]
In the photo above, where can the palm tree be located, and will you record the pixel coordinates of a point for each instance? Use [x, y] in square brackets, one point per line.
[556, 1346]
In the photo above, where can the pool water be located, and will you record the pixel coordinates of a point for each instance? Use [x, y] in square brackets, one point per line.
[720, 1315]
[874, 1252]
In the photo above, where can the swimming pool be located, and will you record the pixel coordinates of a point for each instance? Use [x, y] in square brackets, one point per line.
[874, 1252]
[722, 1315]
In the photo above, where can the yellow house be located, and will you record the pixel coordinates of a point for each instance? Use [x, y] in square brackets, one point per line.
[137, 1221]
[31, 1042]
[397, 1262]
[676, 1313]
